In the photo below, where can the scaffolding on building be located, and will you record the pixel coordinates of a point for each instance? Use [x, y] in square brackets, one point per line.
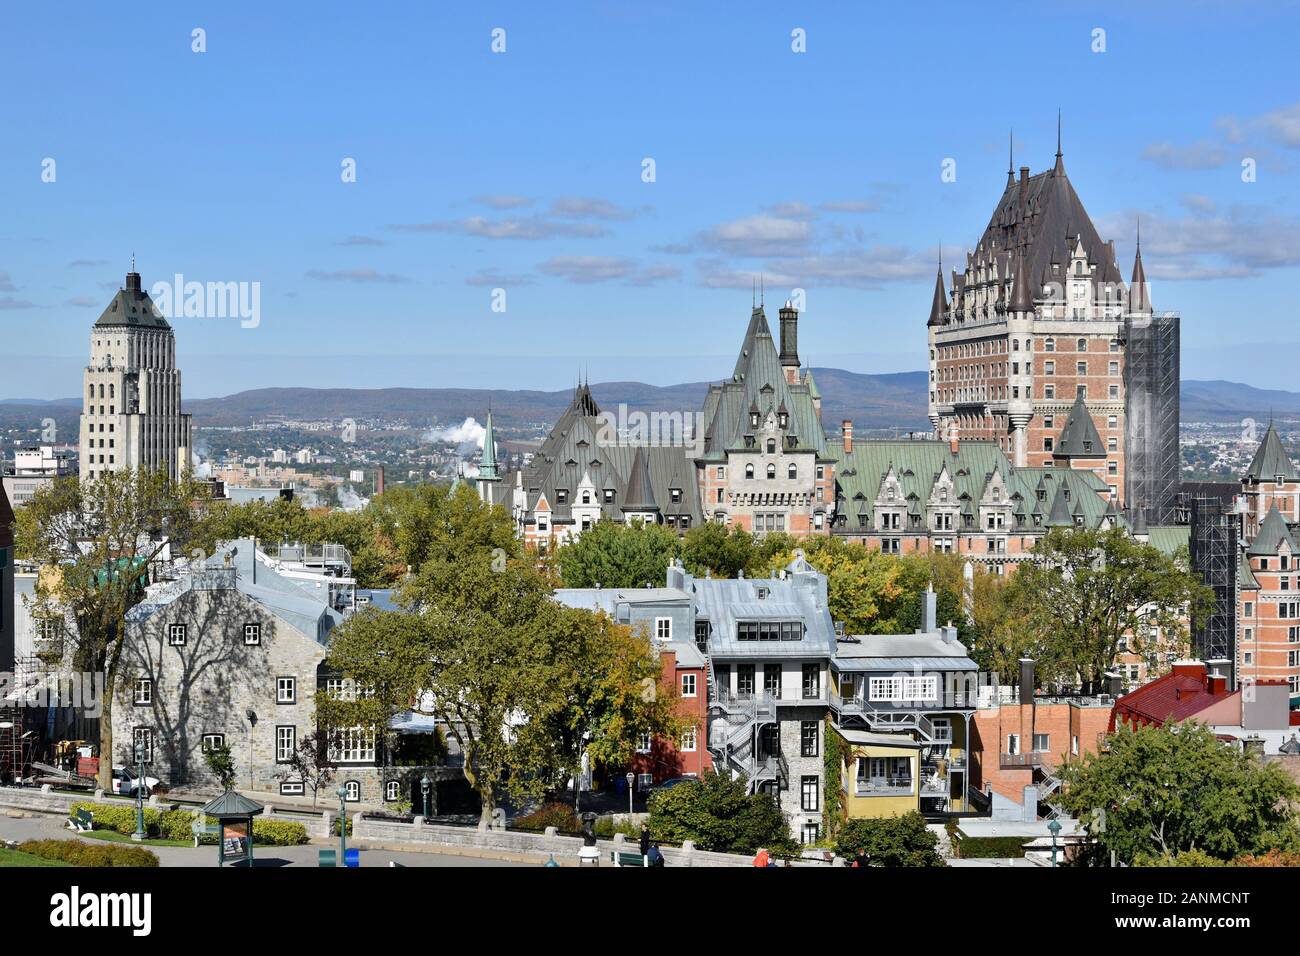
[1213, 543]
[1152, 470]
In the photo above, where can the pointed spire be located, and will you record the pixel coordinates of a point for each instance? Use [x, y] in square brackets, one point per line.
[939, 308]
[1060, 161]
[1139, 293]
[1079, 437]
[1011, 159]
[640, 492]
[1060, 516]
[1272, 532]
[1022, 296]
[487, 469]
[1271, 459]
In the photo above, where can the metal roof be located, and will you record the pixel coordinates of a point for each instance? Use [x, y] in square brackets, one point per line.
[232, 804]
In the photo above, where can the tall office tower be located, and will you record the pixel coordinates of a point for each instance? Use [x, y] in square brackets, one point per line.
[131, 391]
[1039, 320]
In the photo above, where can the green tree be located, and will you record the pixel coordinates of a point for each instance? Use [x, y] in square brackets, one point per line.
[1162, 791]
[715, 549]
[221, 764]
[1086, 590]
[890, 841]
[99, 540]
[718, 813]
[616, 555]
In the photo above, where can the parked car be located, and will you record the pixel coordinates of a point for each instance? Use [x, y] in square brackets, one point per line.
[672, 782]
[124, 781]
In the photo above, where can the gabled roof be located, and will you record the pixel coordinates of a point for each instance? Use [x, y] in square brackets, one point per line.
[1079, 438]
[131, 306]
[758, 386]
[1272, 533]
[1271, 460]
[1178, 695]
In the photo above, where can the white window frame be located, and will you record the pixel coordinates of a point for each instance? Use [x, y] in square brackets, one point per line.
[286, 742]
[393, 791]
[664, 628]
[689, 684]
[689, 741]
[252, 630]
[286, 683]
[145, 735]
[211, 742]
[353, 745]
[351, 791]
[145, 685]
[176, 635]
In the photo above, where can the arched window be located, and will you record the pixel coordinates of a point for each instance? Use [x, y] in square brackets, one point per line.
[351, 791]
[392, 790]
[794, 470]
[771, 471]
[749, 471]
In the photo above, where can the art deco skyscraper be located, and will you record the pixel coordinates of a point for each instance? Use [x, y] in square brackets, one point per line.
[131, 413]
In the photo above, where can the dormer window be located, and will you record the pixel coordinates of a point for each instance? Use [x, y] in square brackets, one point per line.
[753, 419]
[783, 419]
[609, 496]
[561, 495]
[675, 494]
[1087, 445]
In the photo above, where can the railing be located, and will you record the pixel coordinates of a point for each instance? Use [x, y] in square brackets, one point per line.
[945, 700]
[882, 786]
[1033, 759]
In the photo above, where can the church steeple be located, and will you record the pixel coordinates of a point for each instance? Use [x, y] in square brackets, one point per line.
[1060, 160]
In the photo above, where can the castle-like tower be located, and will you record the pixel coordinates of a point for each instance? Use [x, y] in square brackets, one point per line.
[1039, 329]
[131, 413]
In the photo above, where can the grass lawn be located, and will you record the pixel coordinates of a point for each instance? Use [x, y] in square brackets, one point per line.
[14, 858]
[112, 836]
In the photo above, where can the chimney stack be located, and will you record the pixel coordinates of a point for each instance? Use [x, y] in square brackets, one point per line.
[1027, 680]
[379, 479]
[1114, 685]
[789, 317]
[952, 438]
[133, 281]
[846, 427]
[929, 611]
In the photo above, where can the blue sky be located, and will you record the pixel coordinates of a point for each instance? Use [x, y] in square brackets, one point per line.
[522, 170]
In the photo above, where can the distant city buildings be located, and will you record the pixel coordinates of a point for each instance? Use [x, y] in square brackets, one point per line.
[36, 468]
[131, 391]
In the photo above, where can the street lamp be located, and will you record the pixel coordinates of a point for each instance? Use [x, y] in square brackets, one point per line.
[343, 826]
[138, 835]
[1054, 828]
[631, 779]
[425, 784]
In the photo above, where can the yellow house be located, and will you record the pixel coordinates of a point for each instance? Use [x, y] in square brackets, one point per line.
[880, 773]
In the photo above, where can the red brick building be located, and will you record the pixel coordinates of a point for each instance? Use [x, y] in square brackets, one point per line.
[685, 675]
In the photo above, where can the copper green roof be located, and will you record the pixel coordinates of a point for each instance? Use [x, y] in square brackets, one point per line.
[1246, 579]
[1272, 533]
[1271, 460]
[1167, 539]
[1060, 516]
[232, 804]
[131, 306]
[487, 469]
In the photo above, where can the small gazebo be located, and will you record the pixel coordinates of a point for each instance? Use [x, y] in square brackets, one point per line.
[234, 814]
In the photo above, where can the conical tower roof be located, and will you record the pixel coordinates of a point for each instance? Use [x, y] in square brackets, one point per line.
[1022, 296]
[1060, 516]
[1271, 459]
[1139, 295]
[1079, 438]
[939, 307]
[1272, 533]
[487, 469]
[640, 493]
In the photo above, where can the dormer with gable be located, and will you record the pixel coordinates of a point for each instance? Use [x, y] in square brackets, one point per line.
[891, 503]
[996, 507]
[943, 508]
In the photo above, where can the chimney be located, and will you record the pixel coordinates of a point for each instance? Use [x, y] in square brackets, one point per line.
[1027, 680]
[846, 427]
[1114, 685]
[133, 282]
[379, 479]
[789, 317]
[948, 634]
[929, 611]
[952, 438]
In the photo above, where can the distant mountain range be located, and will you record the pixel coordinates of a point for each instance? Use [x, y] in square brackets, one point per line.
[873, 402]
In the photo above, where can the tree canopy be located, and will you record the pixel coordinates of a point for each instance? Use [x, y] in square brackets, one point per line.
[1157, 792]
[718, 813]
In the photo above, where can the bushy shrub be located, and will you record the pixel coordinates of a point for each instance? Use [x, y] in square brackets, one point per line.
[558, 815]
[606, 828]
[79, 853]
[279, 832]
[1271, 858]
[719, 813]
[121, 817]
[890, 841]
[334, 828]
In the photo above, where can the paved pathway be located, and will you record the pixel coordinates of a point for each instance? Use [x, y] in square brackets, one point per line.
[50, 827]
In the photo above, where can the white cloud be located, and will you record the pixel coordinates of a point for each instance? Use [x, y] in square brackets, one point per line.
[1202, 154]
[761, 235]
[356, 275]
[526, 228]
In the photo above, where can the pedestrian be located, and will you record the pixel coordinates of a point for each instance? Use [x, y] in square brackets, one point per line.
[645, 839]
[656, 857]
[760, 858]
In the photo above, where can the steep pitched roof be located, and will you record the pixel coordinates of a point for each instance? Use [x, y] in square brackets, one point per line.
[1271, 459]
[758, 386]
[1272, 532]
[6, 521]
[939, 307]
[1176, 696]
[487, 469]
[640, 491]
[1139, 291]
[131, 306]
[1060, 516]
[1079, 438]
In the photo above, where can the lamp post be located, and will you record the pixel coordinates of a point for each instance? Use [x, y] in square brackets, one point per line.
[138, 835]
[425, 784]
[343, 826]
[1054, 828]
[631, 779]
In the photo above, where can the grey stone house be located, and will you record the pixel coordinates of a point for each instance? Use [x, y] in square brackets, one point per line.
[231, 653]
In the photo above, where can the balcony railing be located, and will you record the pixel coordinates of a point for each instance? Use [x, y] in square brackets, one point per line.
[947, 700]
[1032, 759]
[882, 786]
